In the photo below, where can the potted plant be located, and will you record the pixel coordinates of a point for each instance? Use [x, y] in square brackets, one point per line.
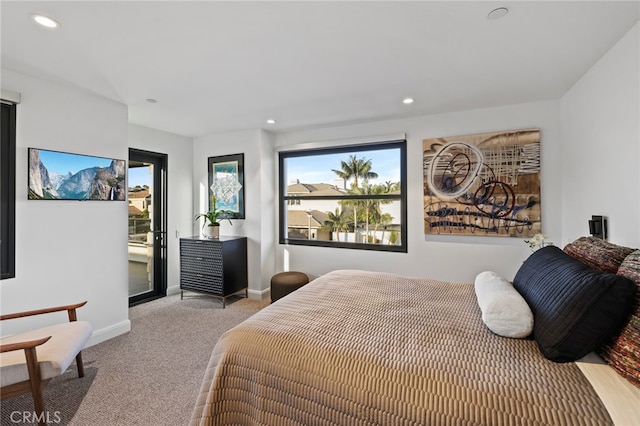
[212, 218]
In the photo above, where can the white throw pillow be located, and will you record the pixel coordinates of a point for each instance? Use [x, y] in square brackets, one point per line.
[504, 310]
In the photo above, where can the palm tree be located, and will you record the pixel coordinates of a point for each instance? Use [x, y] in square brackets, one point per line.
[371, 207]
[336, 221]
[391, 186]
[368, 205]
[351, 207]
[382, 220]
[355, 168]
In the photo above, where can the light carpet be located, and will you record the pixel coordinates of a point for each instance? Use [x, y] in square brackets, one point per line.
[149, 376]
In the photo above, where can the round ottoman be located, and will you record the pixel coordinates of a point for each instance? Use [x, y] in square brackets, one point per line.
[284, 283]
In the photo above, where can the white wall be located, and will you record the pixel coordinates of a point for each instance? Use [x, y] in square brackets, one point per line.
[179, 150]
[601, 145]
[68, 251]
[259, 169]
[268, 215]
[454, 258]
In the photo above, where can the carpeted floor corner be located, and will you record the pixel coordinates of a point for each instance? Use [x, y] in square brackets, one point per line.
[149, 376]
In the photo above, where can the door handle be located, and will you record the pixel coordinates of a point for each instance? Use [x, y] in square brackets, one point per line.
[158, 235]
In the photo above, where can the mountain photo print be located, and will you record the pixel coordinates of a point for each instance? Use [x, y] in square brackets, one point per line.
[57, 175]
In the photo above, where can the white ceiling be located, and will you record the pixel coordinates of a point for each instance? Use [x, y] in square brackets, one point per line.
[222, 66]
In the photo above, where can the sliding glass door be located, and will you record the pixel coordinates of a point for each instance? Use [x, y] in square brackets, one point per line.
[147, 248]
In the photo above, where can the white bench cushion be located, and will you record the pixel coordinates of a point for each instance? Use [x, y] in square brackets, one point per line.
[54, 356]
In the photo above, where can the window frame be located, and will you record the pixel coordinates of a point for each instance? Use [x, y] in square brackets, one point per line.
[284, 199]
[8, 191]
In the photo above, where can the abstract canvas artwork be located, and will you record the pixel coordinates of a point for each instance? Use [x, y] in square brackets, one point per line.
[485, 184]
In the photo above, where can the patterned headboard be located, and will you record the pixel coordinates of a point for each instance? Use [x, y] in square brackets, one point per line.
[623, 351]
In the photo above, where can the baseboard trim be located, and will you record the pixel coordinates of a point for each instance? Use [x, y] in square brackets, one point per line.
[253, 294]
[173, 290]
[259, 294]
[110, 332]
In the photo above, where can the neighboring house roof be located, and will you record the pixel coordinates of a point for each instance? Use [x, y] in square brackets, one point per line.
[134, 211]
[300, 219]
[139, 194]
[299, 188]
[313, 189]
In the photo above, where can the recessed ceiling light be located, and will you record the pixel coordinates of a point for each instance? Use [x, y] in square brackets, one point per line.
[152, 101]
[45, 21]
[271, 121]
[498, 13]
[407, 101]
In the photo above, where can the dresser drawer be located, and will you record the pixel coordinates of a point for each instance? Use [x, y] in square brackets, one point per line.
[199, 248]
[201, 282]
[201, 265]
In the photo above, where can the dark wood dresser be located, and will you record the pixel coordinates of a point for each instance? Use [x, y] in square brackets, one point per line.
[217, 267]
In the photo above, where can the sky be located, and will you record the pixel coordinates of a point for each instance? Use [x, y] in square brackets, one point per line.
[317, 169]
[138, 176]
[62, 162]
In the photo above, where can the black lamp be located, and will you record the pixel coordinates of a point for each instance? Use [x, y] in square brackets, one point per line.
[598, 227]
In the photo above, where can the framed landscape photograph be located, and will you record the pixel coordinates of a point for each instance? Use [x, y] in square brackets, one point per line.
[55, 175]
[226, 184]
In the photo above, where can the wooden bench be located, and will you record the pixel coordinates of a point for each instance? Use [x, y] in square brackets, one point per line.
[29, 360]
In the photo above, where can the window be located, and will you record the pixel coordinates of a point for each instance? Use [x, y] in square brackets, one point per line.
[8, 191]
[346, 197]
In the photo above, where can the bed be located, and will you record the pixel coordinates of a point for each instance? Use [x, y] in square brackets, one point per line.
[361, 347]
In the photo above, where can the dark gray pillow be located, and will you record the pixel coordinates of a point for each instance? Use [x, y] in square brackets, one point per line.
[575, 308]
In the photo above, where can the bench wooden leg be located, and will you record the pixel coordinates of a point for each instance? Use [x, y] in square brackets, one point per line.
[80, 365]
[35, 383]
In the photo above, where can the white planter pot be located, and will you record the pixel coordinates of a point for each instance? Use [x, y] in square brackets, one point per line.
[210, 231]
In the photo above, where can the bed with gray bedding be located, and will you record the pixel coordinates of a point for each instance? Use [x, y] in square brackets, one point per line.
[358, 347]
